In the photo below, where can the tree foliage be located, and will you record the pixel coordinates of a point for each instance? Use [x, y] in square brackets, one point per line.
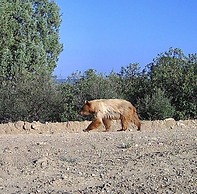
[176, 74]
[156, 106]
[29, 50]
[167, 87]
[29, 41]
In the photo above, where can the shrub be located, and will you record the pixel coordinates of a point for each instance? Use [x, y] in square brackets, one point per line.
[156, 106]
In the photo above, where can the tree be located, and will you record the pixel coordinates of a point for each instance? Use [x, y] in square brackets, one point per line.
[135, 84]
[175, 73]
[92, 85]
[29, 41]
[29, 50]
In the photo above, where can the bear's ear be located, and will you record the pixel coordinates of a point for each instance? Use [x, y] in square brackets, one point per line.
[87, 102]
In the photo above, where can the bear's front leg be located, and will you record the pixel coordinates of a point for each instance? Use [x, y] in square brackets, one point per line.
[93, 125]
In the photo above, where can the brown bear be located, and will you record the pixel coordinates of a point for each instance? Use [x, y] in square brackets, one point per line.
[105, 110]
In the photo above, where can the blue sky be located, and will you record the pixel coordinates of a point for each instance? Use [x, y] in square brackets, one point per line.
[109, 34]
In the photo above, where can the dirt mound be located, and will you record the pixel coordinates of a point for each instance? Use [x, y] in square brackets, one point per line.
[22, 127]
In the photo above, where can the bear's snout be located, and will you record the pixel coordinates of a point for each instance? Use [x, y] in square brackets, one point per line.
[85, 113]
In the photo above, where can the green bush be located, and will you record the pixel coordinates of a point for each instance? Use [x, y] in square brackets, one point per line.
[30, 99]
[156, 106]
[165, 88]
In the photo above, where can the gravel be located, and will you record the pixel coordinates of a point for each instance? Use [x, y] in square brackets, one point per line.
[162, 160]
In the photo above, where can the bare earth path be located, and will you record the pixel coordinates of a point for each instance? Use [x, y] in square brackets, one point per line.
[162, 160]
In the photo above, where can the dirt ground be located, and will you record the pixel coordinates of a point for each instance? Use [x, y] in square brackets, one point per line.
[60, 158]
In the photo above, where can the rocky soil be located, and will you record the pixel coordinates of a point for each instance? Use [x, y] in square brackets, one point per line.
[61, 158]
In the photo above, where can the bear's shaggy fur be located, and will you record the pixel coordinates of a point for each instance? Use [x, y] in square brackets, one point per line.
[105, 110]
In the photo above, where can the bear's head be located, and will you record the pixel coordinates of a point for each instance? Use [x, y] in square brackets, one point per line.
[87, 108]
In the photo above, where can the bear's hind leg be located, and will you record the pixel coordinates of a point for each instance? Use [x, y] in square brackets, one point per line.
[136, 121]
[93, 125]
[107, 123]
[124, 123]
